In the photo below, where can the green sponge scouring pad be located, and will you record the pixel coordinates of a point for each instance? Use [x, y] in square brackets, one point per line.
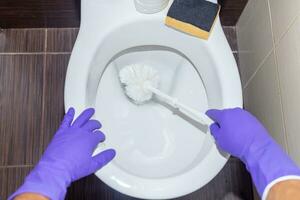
[195, 17]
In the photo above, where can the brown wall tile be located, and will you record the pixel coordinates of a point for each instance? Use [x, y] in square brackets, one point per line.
[58, 13]
[230, 34]
[22, 40]
[233, 4]
[92, 187]
[236, 56]
[37, 13]
[11, 179]
[231, 11]
[61, 40]
[54, 82]
[21, 84]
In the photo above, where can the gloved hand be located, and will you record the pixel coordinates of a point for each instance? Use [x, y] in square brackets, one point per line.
[242, 135]
[68, 157]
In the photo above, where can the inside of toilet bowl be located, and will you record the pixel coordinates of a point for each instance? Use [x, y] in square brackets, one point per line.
[153, 140]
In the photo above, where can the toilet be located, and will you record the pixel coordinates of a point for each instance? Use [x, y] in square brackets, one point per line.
[161, 153]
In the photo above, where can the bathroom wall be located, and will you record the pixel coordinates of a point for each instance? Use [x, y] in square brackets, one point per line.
[39, 13]
[33, 64]
[231, 11]
[66, 13]
[268, 35]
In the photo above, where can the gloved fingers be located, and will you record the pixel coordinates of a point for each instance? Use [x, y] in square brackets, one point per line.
[98, 137]
[215, 114]
[92, 125]
[215, 130]
[84, 117]
[101, 159]
[68, 118]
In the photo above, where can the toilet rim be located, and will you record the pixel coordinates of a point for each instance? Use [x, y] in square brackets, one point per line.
[138, 186]
[76, 93]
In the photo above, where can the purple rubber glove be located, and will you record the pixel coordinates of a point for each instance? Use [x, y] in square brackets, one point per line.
[68, 157]
[242, 135]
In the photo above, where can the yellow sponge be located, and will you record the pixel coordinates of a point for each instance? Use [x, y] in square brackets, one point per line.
[195, 17]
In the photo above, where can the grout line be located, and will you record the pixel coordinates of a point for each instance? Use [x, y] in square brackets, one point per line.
[41, 28]
[74, 28]
[33, 53]
[227, 26]
[287, 29]
[22, 53]
[43, 91]
[43, 104]
[15, 166]
[45, 41]
[55, 53]
[25, 29]
[258, 68]
[279, 83]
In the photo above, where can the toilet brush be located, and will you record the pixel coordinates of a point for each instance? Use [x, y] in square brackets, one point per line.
[141, 82]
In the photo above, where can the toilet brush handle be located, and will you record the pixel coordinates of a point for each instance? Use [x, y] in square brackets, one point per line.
[194, 114]
[190, 112]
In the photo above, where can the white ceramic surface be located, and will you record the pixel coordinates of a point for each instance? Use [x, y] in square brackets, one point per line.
[160, 154]
[150, 6]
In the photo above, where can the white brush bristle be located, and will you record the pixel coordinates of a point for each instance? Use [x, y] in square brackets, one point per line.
[134, 78]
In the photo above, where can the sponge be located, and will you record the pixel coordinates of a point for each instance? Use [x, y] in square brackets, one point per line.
[195, 17]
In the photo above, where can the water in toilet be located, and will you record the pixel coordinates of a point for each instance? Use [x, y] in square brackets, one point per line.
[151, 138]
[141, 83]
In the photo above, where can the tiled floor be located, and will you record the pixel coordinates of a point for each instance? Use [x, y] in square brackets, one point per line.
[33, 65]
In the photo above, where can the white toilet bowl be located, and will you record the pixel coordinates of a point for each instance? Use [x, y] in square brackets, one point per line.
[160, 153]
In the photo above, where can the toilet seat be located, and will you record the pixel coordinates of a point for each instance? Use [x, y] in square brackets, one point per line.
[100, 42]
